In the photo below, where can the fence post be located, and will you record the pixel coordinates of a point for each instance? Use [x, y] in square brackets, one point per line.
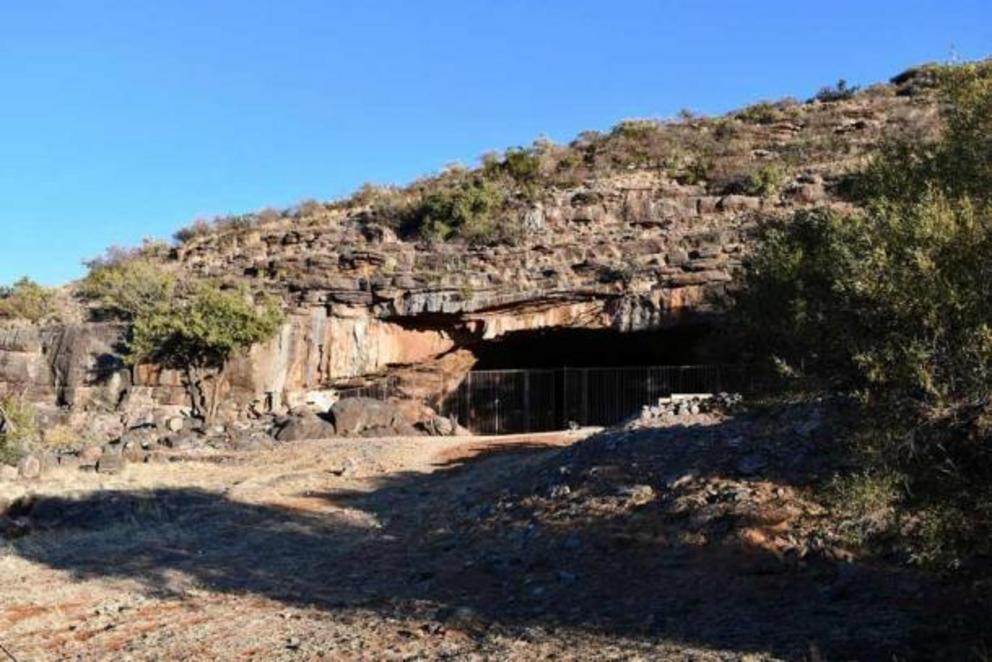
[527, 400]
[469, 409]
[564, 397]
[585, 396]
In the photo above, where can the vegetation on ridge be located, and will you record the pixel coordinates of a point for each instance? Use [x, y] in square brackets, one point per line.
[25, 300]
[715, 153]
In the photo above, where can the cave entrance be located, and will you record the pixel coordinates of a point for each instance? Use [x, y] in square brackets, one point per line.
[551, 379]
[593, 348]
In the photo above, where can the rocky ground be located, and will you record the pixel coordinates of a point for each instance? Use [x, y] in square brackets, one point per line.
[680, 535]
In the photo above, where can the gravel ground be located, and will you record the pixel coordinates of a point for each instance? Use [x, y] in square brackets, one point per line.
[689, 541]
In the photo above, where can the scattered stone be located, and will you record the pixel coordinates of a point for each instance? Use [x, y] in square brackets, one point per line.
[678, 406]
[440, 426]
[49, 461]
[143, 437]
[29, 467]
[110, 464]
[113, 448]
[8, 473]
[179, 442]
[89, 455]
[679, 481]
[249, 440]
[134, 453]
[174, 423]
[637, 495]
[69, 460]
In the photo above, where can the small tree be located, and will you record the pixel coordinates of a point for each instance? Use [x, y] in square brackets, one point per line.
[198, 334]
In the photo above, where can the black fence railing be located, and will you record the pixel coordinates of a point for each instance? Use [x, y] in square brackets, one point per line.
[533, 400]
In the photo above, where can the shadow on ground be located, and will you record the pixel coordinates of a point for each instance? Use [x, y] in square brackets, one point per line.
[432, 539]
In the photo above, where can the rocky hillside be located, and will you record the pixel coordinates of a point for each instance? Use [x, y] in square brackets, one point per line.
[632, 229]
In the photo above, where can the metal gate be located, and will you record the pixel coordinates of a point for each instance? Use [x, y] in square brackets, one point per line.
[533, 400]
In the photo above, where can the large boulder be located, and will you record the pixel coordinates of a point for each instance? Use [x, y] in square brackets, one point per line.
[305, 426]
[353, 416]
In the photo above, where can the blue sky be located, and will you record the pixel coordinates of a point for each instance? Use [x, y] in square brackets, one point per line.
[122, 119]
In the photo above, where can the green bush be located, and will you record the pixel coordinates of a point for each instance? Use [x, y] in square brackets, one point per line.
[766, 181]
[25, 300]
[198, 228]
[763, 112]
[523, 165]
[895, 304]
[18, 428]
[469, 210]
[198, 332]
[867, 503]
[839, 92]
[125, 288]
[637, 130]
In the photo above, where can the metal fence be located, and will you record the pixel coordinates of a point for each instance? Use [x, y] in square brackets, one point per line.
[533, 400]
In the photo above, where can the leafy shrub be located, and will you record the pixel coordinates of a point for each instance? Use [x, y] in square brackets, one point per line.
[766, 181]
[309, 209]
[867, 503]
[470, 210]
[198, 332]
[895, 304]
[265, 216]
[25, 300]
[763, 112]
[59, 436]
[18, 428]
[199, 228]
[523, 165]
[124, 288]
[839, 92]
[635, 129]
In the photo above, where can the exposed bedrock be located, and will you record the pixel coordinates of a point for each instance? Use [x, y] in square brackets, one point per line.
[364, 305]
[77, 374]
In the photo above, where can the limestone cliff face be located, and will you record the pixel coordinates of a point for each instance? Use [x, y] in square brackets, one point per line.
[629, 250]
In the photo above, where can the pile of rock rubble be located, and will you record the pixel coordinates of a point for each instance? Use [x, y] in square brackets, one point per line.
[161, 441]
[680, 405]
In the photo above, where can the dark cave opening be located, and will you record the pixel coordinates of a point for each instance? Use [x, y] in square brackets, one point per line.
[594, 348]
[547, 379]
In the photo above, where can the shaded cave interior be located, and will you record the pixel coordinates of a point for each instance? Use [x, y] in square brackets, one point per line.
[554, 378]
[560, 347]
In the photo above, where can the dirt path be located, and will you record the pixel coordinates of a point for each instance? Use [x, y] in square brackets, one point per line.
[320, 549]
